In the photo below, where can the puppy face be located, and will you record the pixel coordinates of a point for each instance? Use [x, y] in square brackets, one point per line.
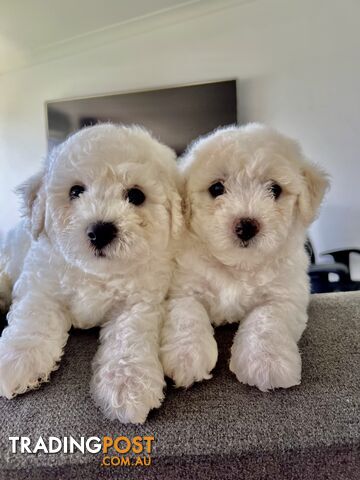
[247, 190]
[108, 198]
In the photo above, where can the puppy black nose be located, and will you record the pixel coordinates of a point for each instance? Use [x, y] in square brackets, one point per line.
[247, 228]
[101, 234]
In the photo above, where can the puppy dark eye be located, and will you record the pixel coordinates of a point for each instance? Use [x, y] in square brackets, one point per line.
[216, 189]
[275, 190]
[76, 191]
[135, 196]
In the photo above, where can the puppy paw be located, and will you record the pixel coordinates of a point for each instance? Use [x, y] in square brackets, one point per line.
[187, 363]
[24, 365]
[267, 368]
[127, 394]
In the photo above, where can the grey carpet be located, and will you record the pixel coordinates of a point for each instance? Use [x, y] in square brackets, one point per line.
[218, 429]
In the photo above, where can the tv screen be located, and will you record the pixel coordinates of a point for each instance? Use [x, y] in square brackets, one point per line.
[176, 116]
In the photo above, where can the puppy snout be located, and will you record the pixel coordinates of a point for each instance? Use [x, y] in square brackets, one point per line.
[101, 234]
[247, 228]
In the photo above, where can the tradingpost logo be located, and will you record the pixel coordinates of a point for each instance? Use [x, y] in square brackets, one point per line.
[113, 451]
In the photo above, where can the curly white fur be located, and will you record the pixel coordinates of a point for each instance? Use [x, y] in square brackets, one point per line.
[59, 280]
[262, 283]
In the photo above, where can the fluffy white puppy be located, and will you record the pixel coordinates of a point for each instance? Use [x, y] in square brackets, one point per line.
[250, 197]
[101, 218]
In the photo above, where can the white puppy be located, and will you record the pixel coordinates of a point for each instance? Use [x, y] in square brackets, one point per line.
[102, 216]
[250, 197]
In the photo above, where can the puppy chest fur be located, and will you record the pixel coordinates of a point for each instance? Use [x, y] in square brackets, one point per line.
[226, 294]
[90, 300]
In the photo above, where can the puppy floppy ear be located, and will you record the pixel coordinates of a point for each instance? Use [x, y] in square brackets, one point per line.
[32, 193]
[173, 180]
[175, 204]
[314, 185]
[186, 205]
[176, 216]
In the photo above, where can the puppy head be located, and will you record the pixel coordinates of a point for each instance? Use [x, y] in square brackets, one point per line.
[247, 190]
[107, 198]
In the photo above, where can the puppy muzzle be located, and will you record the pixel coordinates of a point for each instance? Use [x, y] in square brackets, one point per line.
[246, 229]
[101, 234]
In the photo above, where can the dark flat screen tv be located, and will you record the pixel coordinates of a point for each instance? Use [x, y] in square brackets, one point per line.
[176, 115]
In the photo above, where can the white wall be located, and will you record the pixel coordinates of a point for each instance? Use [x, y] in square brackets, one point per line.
[298, 68]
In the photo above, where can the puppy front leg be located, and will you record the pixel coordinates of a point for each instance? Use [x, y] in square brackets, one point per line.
[188, 349]
[265, 351]
[128, 378]
[32, 344]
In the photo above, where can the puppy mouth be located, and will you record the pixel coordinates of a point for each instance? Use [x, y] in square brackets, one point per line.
[245, 244]
[109, 251]
[99, 253]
